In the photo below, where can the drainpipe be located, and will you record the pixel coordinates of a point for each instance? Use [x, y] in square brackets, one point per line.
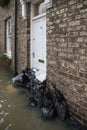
[15, 39]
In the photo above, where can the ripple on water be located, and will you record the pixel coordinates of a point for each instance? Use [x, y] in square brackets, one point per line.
[1, 121]
[2, 113]
[0, 105]
[2, 101]
[13, 110]
[7, 128]
[6, 114]
[1, 80]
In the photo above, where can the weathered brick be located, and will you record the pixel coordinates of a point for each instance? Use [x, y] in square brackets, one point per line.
[66, 49]
[83, 10]
[71, 2]
[79, 5]
[85, 39]
[23, 32]
[73, 7]
[57, 12]
[70, 33]
[71, 44]
[71, 23]
[57, 21]
[85, 2]
[83, 33]
[62, 11]
[63, 25]
[80, 39]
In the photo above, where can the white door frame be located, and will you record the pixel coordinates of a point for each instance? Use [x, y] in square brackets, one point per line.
[31, 34]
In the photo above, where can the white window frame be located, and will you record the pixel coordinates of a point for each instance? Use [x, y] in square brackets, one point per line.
[48, 3]
[8, 43]
[23, 4]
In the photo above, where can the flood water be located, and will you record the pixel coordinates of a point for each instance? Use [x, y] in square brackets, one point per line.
[15, 114]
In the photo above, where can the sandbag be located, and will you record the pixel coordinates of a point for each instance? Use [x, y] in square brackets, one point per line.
[60, 105]
[62, 110]
[48, 113]
[32, 102]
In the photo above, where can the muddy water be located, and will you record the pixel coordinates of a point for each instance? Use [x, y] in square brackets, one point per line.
[15, 113]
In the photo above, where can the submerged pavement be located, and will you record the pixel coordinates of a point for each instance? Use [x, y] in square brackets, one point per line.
[15, 113]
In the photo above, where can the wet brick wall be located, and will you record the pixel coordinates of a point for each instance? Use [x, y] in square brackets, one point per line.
[67, 53]
[5, 13]
[23, 39]
[23, 34]
[66, 49]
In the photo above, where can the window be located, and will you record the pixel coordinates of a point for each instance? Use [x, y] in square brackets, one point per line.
[39, 8]
[8, 37]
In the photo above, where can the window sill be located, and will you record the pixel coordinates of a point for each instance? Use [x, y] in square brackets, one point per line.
[8, 55]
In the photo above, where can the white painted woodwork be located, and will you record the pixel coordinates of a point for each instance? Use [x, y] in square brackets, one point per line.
[23, 4]
[39, 43]
[42, 8]
[48, 3]
[8, 38]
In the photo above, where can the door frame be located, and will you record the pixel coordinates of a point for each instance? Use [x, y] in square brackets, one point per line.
[31, 31]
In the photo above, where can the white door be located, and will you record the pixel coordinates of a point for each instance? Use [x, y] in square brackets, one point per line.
[8, 38]
[39, 43]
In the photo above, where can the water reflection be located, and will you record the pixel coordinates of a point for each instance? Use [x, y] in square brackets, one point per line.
[15, 113]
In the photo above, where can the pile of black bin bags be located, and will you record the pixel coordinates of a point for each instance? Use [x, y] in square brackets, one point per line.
[49, 106]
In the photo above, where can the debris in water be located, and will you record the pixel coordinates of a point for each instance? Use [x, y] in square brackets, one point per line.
[1, 121]
[9, 106]
[10, 125]
[1, 80]
[32, 102]
[48, 113]
[2, 113]
[60, 105]
[0, 105]
[6, 128]
[13, 105]
[6, 114]
[33, 80]
[3, 101]
[19, 77]
[72, 122]
[11, 89]
[50, 106]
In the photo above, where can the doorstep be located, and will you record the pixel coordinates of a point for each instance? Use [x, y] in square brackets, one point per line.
[40, 75]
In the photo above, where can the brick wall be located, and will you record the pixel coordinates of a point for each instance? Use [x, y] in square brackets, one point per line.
[5, 13]
[66, 49]
[23, 34]
[67, 53]
[23, 39]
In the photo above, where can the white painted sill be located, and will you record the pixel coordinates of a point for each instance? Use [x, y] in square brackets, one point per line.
[8, 55]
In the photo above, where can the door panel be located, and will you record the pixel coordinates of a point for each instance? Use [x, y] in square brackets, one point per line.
[39, 43]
